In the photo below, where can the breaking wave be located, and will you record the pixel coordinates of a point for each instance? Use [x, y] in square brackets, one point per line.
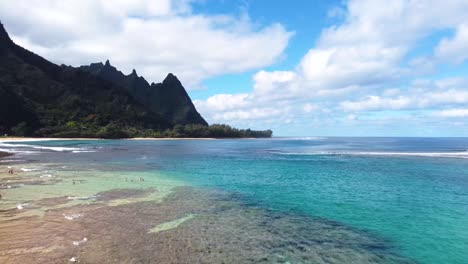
[31, 149]
[459, 154]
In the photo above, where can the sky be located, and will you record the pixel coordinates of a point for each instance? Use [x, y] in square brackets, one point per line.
[298, 67]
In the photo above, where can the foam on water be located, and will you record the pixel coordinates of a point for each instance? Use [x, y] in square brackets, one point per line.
[461, 154]
[72, 216]
[11, 160]
[82, 198]
[299, 138]
[171, 224]
[77, 243]
[22, 206]
[29, 169]
[13, 150]
[31, 149]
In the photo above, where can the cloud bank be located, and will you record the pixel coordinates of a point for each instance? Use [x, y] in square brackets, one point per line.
[363, 71]
[367, 72]
[154, 37]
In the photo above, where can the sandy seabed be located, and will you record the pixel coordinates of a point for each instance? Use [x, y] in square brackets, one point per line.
[114, 217]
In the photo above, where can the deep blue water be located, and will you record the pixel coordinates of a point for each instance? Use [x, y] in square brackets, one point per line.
[412, 192]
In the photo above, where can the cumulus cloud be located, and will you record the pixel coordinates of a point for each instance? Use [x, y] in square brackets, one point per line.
[224, 102]
[241, 109]
[365, 64]
[376, 103]
[454, 49]
[308, 108]
[452, 113]
[424, 94]
[276, 84]
[361, 66]
[154, 37]
[369, 48]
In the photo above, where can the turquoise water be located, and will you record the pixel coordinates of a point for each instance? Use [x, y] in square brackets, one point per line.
[411, 192]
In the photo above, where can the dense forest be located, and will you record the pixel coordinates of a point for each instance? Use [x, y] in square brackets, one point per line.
[41, 99]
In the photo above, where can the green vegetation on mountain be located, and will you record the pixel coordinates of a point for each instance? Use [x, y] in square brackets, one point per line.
[212, 131]
[168, 98]
[39, 98]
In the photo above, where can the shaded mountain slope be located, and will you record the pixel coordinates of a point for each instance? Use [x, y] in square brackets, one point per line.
[169, 98]
[39, 98]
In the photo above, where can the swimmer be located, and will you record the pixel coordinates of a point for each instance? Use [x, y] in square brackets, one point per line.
[73, 181]
[1, 196]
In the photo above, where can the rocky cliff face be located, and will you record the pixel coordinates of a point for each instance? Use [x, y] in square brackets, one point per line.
[169, 98]
[40, 98]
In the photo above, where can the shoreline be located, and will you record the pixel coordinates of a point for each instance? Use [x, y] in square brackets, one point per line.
[32, 139]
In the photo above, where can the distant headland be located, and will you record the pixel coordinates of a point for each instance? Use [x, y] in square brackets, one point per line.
[41, 99]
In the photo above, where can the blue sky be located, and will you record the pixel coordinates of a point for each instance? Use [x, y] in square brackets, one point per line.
[305, 18]
[336, 68]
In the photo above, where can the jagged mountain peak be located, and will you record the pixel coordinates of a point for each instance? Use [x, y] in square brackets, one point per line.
[4, 37]
[171, 78]
[168, 98]
[38, 97]
[3, 32]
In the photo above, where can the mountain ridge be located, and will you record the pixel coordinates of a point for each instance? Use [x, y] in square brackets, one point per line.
[161, 98]
[39, 98]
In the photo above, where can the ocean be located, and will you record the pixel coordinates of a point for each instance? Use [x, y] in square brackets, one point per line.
[278, 200]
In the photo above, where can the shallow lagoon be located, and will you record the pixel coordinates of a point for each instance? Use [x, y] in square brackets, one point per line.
[321, 200]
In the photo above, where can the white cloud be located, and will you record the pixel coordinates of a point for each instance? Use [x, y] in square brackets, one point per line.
[452, 113]
[236, 108]
[356, 66]
[376, 103]
[454, 49]
[154, 37]
[276, 83]
[352, 117]
[424, 94]
[363, 64]
[331, 68]
[223, 102]
[369, 49]
[309, 108]
[250, 114]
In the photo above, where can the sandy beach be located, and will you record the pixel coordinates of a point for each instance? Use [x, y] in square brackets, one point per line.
[31, 139]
